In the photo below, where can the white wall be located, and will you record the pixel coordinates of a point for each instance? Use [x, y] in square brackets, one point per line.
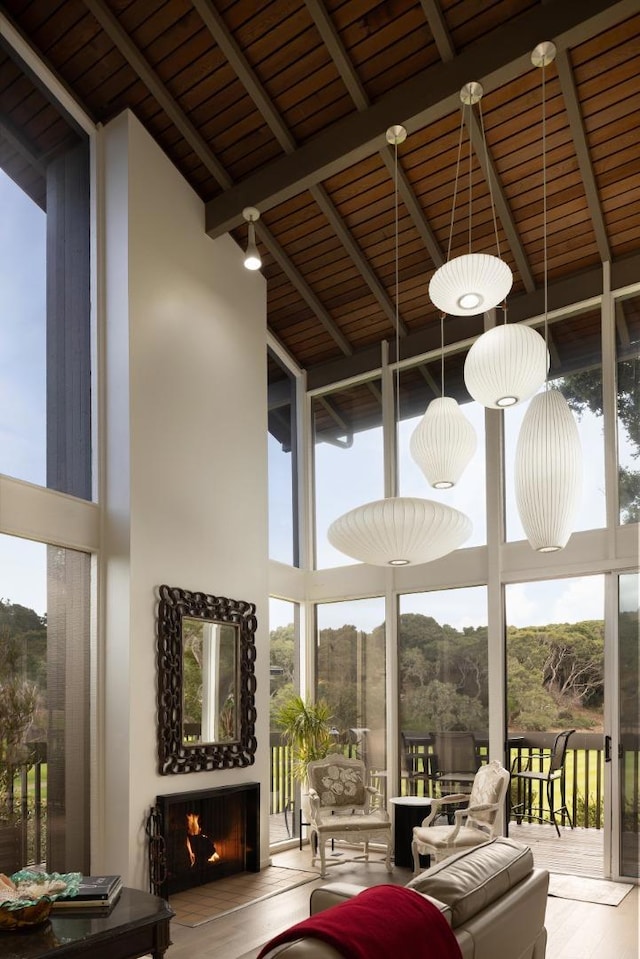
[185, 484]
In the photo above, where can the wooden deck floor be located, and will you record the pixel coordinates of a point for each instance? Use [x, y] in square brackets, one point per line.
[578, 852]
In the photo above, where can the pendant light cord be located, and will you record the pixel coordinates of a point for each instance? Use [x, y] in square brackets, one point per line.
[397, 302]
[442, 316]
[544, 216]
[455, 185]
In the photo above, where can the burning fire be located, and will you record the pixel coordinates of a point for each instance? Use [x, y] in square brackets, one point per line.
[194, 829]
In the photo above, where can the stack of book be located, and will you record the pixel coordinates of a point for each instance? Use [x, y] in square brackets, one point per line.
[96, 896]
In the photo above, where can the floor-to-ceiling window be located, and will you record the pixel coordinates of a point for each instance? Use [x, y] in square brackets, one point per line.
[46, 415]
[348, 459]
[627, 311]
[284, 681]
[351, 674]
[555, 683]
[443, 683]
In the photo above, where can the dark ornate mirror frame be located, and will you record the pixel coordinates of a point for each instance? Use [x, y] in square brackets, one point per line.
[175, 756]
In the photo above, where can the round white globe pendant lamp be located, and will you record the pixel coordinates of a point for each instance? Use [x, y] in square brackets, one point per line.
[506, 365]
[548, 472]
[474, 282]
[443, 442]
[400, 531]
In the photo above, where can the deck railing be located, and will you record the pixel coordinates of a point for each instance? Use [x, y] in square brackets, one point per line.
[584, 775]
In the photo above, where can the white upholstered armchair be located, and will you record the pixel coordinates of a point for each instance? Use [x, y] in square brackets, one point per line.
[341, 808]
[476, 823]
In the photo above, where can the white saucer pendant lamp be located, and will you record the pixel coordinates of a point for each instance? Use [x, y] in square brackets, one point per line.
[400, 531]
[506, 365]
[474, 282]
[470, 284]
[548, 471]
[443, 443]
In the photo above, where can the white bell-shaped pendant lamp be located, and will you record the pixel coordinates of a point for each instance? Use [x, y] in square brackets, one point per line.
[443, 442]
[548, 471]
[506, 365]
[400, 531]
[474, 282]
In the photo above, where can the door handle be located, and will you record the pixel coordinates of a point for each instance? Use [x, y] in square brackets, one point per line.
[607, 749]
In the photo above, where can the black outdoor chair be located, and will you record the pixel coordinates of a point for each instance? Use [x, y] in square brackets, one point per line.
[417, 762]
[455, 761]
[551, 771]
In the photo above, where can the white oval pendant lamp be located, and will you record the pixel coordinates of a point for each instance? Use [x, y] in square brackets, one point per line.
[548, 471]
[506, 365]
[548, 463]
[474, 282]
[443, 442]
[470, 284]
[400, 531]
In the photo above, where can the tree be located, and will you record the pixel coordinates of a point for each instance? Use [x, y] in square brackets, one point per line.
[583, 391]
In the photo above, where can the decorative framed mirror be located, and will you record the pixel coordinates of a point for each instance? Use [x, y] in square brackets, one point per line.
[206, 681]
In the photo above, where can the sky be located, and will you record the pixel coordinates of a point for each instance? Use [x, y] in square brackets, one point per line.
[22, 380]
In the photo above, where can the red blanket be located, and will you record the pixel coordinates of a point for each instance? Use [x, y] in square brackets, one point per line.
[379, 923]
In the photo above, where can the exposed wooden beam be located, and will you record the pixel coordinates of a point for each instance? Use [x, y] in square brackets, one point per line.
[439, 30]
[501, 56]
[333, 43]
[302, 287]
[357, 256]
[621, 326]
[220, 33]
[415, 210]
[572, 105]
[22, 145]
[237, 60]
[500, 201]
[154, 84]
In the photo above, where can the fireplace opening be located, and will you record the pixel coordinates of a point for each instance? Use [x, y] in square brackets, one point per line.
[203, 836]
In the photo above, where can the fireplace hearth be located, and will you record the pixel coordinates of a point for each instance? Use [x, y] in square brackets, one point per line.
[198, 837]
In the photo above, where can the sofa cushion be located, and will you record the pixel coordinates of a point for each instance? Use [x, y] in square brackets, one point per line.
[337, 785]
[472, 880]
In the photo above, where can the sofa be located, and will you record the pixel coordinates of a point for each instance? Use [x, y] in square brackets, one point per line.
[492, 897]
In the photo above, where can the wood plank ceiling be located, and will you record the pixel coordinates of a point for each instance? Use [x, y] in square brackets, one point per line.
[284, 104]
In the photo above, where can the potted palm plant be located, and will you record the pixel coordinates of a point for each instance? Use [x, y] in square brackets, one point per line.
[307, 728]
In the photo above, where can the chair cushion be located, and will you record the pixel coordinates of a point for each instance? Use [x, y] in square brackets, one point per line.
[337, 785]
[473, 879]
[437, 836]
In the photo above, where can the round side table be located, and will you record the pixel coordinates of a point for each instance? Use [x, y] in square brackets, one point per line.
[408, 811]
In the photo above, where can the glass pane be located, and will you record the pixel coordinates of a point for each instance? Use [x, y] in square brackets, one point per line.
[348, 450]
[44, 747]
[283, 681]
[350, 676]
[629, 643]
[555, 683]
[283, 544]
[628, 378]
[23, 396]
[444, 696]
[468, 495]
[576, 368]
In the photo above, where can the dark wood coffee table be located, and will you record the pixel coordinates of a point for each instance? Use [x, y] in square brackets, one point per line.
[138, 924]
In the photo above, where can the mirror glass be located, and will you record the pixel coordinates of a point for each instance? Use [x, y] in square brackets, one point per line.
[210, 681]
[206, 681]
